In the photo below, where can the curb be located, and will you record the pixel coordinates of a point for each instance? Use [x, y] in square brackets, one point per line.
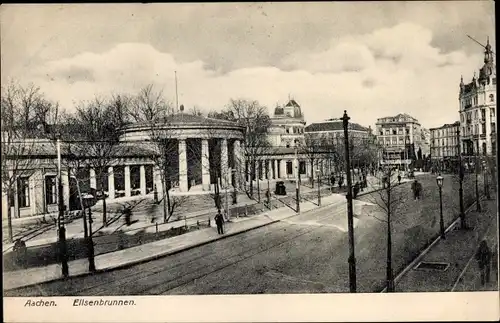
[426, 250]
[147, 259]
[170, 252]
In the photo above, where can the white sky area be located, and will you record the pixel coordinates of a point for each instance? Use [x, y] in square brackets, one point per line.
[371, 59]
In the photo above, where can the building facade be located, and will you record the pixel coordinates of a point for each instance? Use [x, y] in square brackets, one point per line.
[477, 107]
[287, 125]
[444, 141]
[399, 137]
[202, 152]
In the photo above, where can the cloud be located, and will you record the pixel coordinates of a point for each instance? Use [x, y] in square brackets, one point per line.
[379, 73]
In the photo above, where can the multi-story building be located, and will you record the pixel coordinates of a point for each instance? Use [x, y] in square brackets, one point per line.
[478, 109]
[426, 142]
[444, 141]
[399, 137]
[287, 127]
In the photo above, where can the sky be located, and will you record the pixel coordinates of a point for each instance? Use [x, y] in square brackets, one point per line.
[373, 59]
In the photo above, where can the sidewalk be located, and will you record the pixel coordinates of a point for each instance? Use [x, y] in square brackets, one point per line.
[147, 252]
[456, 253]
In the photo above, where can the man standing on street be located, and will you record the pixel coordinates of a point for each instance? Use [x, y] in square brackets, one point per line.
[219, 221]
[415, 189]
[483, 257]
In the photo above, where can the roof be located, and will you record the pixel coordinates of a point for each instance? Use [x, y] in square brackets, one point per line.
[46, 148]
[333, 125]
[182, 119]
[292, 103]
[447, 125]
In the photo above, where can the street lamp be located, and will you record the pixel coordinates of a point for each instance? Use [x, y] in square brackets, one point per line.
[439, 180]
[88, 201]
[350, 213]
[268, 186]
[319, 186]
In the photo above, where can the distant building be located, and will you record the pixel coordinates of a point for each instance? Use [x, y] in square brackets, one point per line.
[400, 137]
[334, 129]
[478, 109]
[287, 125]
[444, 141]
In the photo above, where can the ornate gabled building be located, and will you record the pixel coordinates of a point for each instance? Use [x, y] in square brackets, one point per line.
[288, 124]
[477, 109]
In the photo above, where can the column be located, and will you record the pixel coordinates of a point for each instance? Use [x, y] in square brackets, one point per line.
[157, 181]
[111, 183]
[224, 163]
[126, 175]
[183, 176]
[237, 164]
[93, 182]
[282, 167]
[205, 165]
[65, 185]
[275, 175]
[142, 179]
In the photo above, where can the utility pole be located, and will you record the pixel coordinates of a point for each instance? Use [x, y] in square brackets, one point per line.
[350, 213]
[63, 251]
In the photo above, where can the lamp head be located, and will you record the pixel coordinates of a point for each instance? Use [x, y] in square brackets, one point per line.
[439, 180]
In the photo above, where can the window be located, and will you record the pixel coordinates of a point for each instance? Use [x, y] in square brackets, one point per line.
[492, 112]
[492, 98]
[302, 167]
[400, 131]
[483, 129]
[475, 114]
[50, 190]
[394, 131]
[387, 132]
[483, 114]
[381, 133]
[287, 130]
[461, 118]
[493, 127]
[23, 192]
[407, 131]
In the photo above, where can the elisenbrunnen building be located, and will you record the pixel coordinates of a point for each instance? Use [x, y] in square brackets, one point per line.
[198, 146]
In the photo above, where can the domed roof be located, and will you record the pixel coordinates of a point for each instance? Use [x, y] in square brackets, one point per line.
[290, 110]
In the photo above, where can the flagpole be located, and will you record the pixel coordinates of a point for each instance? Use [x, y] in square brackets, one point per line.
[176, 94]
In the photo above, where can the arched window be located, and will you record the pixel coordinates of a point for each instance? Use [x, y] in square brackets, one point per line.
[484, 148]
[492, 97]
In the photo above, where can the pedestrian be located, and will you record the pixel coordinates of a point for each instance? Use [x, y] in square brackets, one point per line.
[356, 190]
[483, 257]
[414, 188]
[341, 181]
[219, 221]
[399, 178]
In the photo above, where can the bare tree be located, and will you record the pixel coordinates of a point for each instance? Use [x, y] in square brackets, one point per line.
[315, 148]
[150, 108]
[95, 133]
[24, 112]
[256, 121]
[196, 111]
[389, 200]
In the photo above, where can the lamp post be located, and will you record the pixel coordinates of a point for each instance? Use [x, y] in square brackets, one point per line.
[350, 214]
[297, 186]
[88, 200]
[319, 186]
[268, 194]
[439, 180]
[259, 168]
[463, 224]
[63, 251]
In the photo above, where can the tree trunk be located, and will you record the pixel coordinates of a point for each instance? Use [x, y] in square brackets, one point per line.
[82, 208]
[312, 171]
[166, 198]
[252, 175]
[9, 215]
[104, 211]
[390, 283]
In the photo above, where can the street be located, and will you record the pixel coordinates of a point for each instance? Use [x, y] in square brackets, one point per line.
[304, 254]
